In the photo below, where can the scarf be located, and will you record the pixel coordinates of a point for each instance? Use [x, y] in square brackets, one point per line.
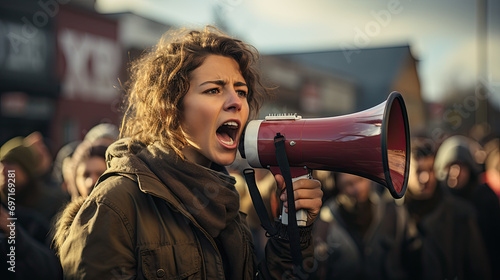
[211, 197]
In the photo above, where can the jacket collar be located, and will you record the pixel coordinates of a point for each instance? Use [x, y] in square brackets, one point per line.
[120, 161]
[206, 194]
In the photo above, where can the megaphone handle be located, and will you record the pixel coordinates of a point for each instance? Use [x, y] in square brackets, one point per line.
[301, 215]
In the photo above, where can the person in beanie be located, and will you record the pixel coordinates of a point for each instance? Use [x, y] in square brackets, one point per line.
[452, 246]
[458, 172]
[31, 192]
[15, 152]
[87, 164]
[23, 230]
[166, 208]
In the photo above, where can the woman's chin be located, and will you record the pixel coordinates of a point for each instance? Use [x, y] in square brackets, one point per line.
[225, 159]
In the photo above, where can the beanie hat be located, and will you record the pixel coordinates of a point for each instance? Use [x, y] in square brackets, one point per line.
[103, 130]
[455, 149]
[14, 151]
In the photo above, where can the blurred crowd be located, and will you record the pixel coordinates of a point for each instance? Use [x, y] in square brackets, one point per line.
[40, 190]
[447, 226]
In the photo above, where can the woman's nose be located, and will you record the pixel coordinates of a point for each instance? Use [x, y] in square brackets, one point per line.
[233, 101]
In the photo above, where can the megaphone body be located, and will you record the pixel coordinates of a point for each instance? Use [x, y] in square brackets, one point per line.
[374, 144]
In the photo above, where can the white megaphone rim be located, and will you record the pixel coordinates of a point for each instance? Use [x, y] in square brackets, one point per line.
[251, 143]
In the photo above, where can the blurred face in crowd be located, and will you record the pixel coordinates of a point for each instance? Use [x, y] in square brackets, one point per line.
[21, 178]
[215, 109]
[35, 141]
[458, 175]
[422, 181]
[354, 187]
[87, 173]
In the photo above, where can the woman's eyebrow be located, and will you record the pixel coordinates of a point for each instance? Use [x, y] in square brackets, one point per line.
[240, 84]
[222, 83]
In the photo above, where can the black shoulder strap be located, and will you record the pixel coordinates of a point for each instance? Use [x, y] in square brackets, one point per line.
[292, 229]
[259, 206]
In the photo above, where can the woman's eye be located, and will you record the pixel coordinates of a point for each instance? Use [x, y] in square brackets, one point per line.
[212, 91]
[242, 93]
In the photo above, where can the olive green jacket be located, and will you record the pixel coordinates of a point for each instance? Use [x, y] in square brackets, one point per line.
[133, 227]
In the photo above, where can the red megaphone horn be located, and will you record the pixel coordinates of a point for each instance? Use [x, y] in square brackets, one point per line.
[374, 144]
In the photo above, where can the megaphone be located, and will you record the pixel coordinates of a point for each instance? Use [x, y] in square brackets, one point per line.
[374, 143]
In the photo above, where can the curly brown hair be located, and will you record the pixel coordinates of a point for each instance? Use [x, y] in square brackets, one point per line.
[160, 79]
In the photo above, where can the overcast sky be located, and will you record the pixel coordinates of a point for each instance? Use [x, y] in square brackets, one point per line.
[442, 34]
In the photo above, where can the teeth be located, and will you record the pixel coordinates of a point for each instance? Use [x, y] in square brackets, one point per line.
[231, 123]
[230, 142]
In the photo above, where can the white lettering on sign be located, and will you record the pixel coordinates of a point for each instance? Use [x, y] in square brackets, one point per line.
[92, 66]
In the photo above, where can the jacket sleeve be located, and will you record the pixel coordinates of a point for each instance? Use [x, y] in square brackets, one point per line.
[278, 261]
[99, 244]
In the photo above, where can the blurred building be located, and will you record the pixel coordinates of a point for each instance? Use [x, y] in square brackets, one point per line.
[62, 66]
[457, 113]
[89, 60]
[337, 82]
[59, 63]
[29, 86]
[136, 34]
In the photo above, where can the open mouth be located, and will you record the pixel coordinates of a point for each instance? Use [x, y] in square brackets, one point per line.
[227, 132]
